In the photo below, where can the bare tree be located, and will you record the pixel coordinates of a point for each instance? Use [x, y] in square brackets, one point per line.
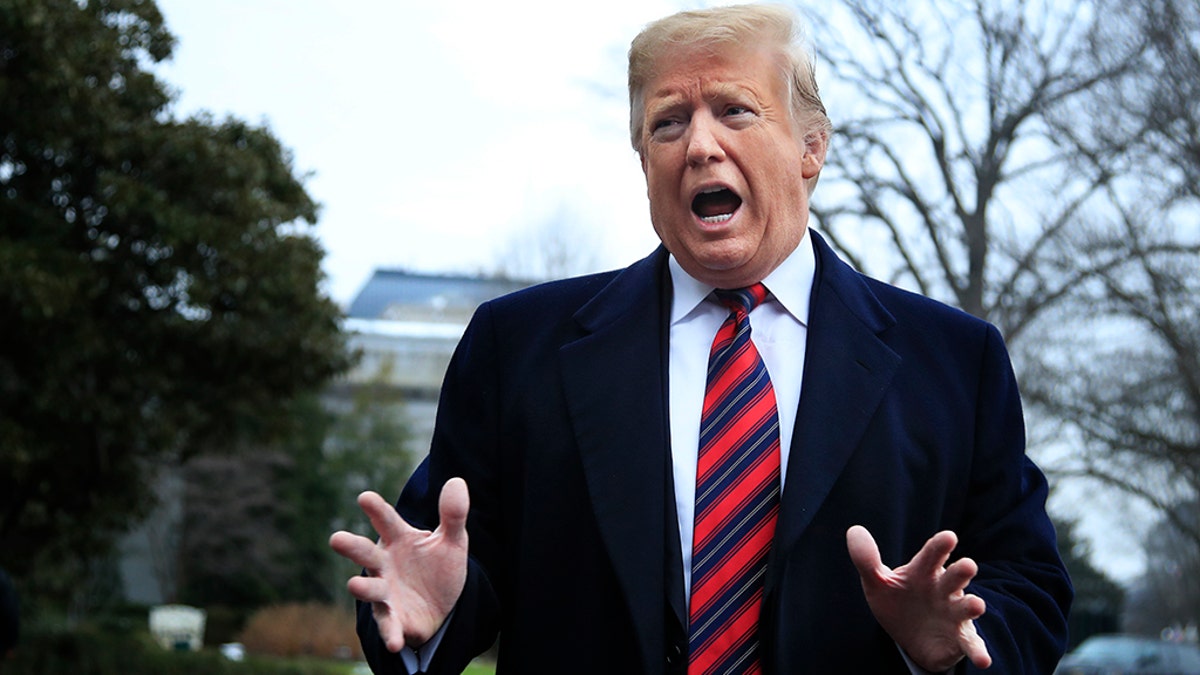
[555, 247]
[1125, 379]
[947, 146]
[1169, 110]
[232, 550]
[1128, 379]
[1037, 164]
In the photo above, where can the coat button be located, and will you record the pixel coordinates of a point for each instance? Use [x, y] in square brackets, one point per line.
[674, 655]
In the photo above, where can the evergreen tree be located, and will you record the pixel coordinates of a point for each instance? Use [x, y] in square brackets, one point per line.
[159, 290]
[1098, 599]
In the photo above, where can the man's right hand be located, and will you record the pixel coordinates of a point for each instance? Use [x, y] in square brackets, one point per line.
[414, 577]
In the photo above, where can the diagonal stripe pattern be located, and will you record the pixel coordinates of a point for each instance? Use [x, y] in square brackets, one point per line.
[737, 497]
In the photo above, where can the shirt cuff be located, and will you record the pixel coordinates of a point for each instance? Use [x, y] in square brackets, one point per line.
[914, 668]
[417, 660]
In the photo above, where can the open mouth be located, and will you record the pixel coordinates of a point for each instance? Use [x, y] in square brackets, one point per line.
[716, 205]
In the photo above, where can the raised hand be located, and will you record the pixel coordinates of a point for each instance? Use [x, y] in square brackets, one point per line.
[922, 605]
[414, 577]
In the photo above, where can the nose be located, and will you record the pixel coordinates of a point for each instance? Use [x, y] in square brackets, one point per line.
[704, 143]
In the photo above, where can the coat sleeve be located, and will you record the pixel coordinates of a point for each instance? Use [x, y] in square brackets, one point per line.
[463, 446]
[1006, 530]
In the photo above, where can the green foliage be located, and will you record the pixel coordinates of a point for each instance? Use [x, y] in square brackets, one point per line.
[257, 522]
[93, 652]
[101, 653]
[159, 292]
[369, 448]
[1098, 599]
[312, 488]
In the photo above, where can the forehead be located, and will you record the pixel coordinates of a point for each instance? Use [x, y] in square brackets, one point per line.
[683, 72]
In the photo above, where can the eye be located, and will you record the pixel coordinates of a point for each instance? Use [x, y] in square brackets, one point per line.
[666, 128]
[735, 110]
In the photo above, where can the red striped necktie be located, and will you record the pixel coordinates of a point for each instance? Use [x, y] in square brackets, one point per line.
[737, 497]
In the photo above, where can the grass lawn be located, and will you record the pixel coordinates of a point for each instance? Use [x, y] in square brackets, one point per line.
[352, 668]
[477, 668]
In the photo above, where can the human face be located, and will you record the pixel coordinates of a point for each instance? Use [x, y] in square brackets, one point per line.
[725, 165]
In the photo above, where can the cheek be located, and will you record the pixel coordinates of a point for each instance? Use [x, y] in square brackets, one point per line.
[662, 214]
[785, 184]
[662, 190]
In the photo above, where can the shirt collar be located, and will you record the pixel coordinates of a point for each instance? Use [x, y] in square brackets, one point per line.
[790, 284]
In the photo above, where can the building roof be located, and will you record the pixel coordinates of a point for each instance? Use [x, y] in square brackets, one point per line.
[399, 294]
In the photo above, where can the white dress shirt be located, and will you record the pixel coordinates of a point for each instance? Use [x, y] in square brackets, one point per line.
[779, 329]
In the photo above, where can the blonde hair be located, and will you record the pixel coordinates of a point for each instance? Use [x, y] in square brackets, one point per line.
[770, 26]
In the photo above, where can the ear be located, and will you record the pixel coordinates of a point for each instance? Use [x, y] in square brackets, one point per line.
[815, 144]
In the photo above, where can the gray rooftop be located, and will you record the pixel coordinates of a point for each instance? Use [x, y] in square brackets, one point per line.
[392, 294]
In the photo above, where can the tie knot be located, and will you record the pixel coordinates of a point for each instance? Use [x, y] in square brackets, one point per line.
[741, 300]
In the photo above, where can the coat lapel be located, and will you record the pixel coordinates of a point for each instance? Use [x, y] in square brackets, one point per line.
[846, 372]
[614, 384]
[614, 380]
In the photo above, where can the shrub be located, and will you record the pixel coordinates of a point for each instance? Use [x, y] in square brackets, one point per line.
[94, 652]
[90, 651]
[308, 629]
[224, 624]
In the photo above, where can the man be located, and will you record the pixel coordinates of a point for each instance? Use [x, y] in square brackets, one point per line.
[890, 430]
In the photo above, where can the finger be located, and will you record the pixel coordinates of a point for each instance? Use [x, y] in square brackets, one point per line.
[383, 516]
[360, 550]
[958, 575]
[973, 647]
[973, 606]
[933, 555]
[368, 589]
[453, 506]
[864, 553]
[390, 629]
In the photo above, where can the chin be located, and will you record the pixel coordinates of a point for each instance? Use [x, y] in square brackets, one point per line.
[726, 262]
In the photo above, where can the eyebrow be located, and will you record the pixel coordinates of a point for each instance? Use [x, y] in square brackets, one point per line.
[711, 91]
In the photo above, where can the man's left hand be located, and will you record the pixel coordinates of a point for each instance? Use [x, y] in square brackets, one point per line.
[922, 605]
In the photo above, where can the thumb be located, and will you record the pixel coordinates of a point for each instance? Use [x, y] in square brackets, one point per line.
[453, 506]
[864, 552]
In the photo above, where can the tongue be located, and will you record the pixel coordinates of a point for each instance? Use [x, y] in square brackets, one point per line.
[718, 203]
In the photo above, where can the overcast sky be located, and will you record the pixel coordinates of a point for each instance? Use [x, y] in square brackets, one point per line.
[435, 132]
